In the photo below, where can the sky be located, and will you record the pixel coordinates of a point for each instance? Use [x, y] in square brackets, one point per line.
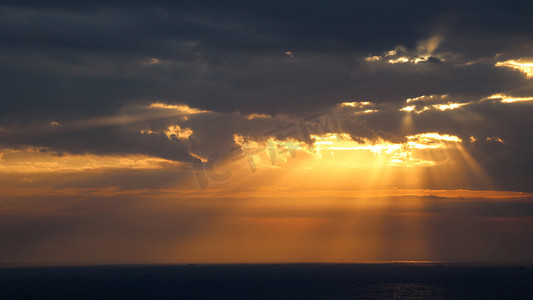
[265, 131]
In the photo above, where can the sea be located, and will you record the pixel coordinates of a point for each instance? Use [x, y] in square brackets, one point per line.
[270, 281]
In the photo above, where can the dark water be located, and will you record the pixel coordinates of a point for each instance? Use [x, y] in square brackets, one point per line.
[284, 281]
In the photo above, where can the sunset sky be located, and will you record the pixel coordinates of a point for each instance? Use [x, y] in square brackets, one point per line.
[265, 131]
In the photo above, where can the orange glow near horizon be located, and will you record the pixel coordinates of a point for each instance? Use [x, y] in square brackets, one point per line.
[346, 198]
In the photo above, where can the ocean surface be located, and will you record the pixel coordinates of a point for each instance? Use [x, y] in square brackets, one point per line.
[269, 281]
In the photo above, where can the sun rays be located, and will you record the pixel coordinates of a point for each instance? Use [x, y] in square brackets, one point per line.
[340, 159]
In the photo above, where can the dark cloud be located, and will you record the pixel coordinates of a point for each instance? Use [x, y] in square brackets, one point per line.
[229, 56]
[64, 61]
